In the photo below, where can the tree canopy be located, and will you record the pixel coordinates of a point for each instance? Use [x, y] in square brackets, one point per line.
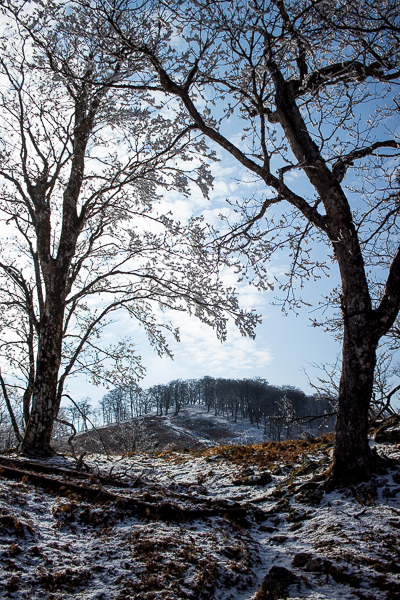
[310, 91]
[83, 164]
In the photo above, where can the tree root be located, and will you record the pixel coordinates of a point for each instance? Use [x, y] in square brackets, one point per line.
[161, 510]
[378, 465]
[39, 467]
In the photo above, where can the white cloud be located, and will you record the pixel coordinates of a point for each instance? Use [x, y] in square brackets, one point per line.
[201, 350]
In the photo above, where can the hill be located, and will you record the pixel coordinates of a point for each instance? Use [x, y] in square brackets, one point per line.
[192, 427]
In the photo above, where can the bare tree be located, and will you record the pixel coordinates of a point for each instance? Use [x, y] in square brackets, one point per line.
[115, 406]
[384, 390]
[82, 165]
[133, 436]
[156, 396]
[308, 88]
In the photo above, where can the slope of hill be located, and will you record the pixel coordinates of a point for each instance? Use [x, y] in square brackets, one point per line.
[223, 523]
[192, 427]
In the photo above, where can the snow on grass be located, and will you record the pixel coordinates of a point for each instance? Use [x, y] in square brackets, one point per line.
[341, 545]
[194, 420]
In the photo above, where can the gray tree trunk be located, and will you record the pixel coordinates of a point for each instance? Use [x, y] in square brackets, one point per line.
[353, 459]
[44, 402]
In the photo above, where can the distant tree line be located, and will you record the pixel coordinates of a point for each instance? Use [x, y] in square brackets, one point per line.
[282, 411]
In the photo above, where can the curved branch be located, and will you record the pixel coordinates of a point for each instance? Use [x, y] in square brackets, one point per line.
[340, 167]
[389, 306]
[10, 410]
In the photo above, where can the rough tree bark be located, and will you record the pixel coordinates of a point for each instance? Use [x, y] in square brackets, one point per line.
[45, 407]
[351, 452]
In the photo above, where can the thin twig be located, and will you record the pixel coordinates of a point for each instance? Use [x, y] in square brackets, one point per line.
[86, 418]
[71, 437]
[305, 419]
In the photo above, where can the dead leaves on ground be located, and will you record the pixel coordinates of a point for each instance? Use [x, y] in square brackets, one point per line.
[264, 455]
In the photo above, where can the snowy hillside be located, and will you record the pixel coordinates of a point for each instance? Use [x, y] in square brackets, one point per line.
[227, 523]
[192, 427]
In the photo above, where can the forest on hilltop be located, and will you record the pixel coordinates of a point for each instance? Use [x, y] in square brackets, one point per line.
[282, 411]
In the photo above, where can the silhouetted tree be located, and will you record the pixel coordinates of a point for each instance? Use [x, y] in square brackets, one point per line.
[82, 164]
[310, 89]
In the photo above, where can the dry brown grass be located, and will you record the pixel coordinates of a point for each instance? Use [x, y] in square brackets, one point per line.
[263, 455]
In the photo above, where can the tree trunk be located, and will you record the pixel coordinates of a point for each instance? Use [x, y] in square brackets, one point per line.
[26, 400]
[44, 402]
[353, 459]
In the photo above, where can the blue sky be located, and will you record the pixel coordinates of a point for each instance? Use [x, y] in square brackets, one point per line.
[284, 347]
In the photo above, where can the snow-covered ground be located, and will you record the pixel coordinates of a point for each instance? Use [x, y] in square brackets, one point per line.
[209, 428]
[218, 527]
